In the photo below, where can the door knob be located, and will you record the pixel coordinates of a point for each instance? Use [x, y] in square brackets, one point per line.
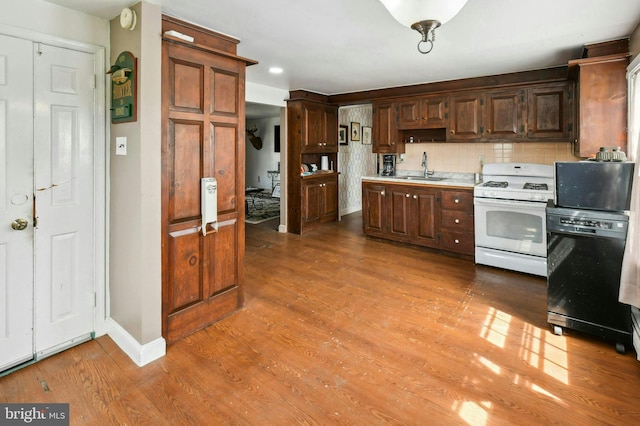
[19, 224]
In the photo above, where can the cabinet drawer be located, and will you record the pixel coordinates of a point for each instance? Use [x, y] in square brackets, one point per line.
[459, 242]
[457, 221]
[457, 200]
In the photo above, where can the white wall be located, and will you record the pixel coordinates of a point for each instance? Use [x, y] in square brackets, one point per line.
[136, 260]
[46, 18]
[259, 162]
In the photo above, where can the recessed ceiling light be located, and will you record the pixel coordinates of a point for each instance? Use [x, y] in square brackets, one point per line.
[275, 70]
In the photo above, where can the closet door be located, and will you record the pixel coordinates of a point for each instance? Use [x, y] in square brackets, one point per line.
[47, 200]
[16, 201]
[203, 136]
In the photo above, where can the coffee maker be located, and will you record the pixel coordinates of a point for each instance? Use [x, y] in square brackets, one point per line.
[388, 165]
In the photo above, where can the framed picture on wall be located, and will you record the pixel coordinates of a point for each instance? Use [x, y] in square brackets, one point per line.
[355, 131]
[366, 135]
[276, 138]
[343, 135]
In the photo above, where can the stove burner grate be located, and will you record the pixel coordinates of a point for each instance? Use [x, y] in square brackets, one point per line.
[536, 186]
[496, 184]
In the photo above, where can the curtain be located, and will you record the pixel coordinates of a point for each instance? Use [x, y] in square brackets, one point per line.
[630, 277]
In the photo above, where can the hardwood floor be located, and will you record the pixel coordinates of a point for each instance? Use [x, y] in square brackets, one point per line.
[341, 329]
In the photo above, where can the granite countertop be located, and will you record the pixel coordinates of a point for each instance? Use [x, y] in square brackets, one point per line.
[438, 178]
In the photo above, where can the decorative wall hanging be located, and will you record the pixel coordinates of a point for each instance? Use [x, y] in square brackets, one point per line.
[355, 131]
[343, 135]
[124, 90]
[366, 135]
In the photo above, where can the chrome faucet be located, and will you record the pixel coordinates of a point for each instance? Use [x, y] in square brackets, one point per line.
[425, 167]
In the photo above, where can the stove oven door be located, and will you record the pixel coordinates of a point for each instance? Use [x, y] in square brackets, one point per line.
[509, 225]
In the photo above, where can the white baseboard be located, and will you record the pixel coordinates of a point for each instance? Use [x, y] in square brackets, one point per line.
[282, 228]
[140, 354]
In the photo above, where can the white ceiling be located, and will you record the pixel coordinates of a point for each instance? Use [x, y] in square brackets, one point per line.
[341, 46]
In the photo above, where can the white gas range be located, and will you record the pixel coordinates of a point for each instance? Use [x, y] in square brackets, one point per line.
[510, 219]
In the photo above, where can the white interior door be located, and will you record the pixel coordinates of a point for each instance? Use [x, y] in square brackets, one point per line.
[64, 171]
[47, 278]
[16, 201]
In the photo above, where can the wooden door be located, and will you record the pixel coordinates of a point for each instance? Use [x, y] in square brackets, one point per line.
[409, 116]
[399, 200]
[203, 136]
[465, 117]
[550, 112]
[434, 112]
[374, 214]
[602, 110]
[384, 129]
[503, 114]
[424, 217]
[330, 199]
[311, 195]
[313, 127]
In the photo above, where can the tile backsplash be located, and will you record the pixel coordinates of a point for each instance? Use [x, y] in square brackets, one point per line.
[467, 157]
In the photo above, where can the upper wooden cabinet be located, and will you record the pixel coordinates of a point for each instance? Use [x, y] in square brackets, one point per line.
[551, 112]
[602, 103]
[503, 114]
[385, 133]
[424, 112]
[465, 117]
[319, 127]
[542, 112]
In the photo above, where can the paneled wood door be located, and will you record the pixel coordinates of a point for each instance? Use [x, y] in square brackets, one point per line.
[203, 136]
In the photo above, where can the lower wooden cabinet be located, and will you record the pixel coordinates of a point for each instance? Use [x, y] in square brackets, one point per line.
[319, 201]
[429, 216]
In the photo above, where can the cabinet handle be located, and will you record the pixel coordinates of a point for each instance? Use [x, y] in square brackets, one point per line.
[415, 197]
[382, 193]
[457, 241]
[456, 221]
[453, 132]
[457, 200]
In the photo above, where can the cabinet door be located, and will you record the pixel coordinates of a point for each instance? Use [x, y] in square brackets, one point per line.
[329, 199]
[409, 116]
[465, 117]
[399, 198]
[434, 110]
[373, 209]
[311, 197]
[313, 127]
[384, 129]
[602, 106]
[424, 217]
[331, 129]
[550, 112]
[503, 114]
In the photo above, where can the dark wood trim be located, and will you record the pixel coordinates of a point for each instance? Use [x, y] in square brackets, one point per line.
[204, 39]
[502, 80]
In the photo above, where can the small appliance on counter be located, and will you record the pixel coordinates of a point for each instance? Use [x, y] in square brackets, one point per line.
[587, 231]
[388, 165]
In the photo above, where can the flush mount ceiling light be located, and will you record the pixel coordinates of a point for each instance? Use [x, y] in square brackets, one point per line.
[424, 16]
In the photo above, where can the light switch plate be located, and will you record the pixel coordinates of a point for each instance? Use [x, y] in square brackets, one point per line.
[121, 145]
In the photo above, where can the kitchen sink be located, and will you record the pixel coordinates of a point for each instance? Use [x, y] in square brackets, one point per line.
[421, 178]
